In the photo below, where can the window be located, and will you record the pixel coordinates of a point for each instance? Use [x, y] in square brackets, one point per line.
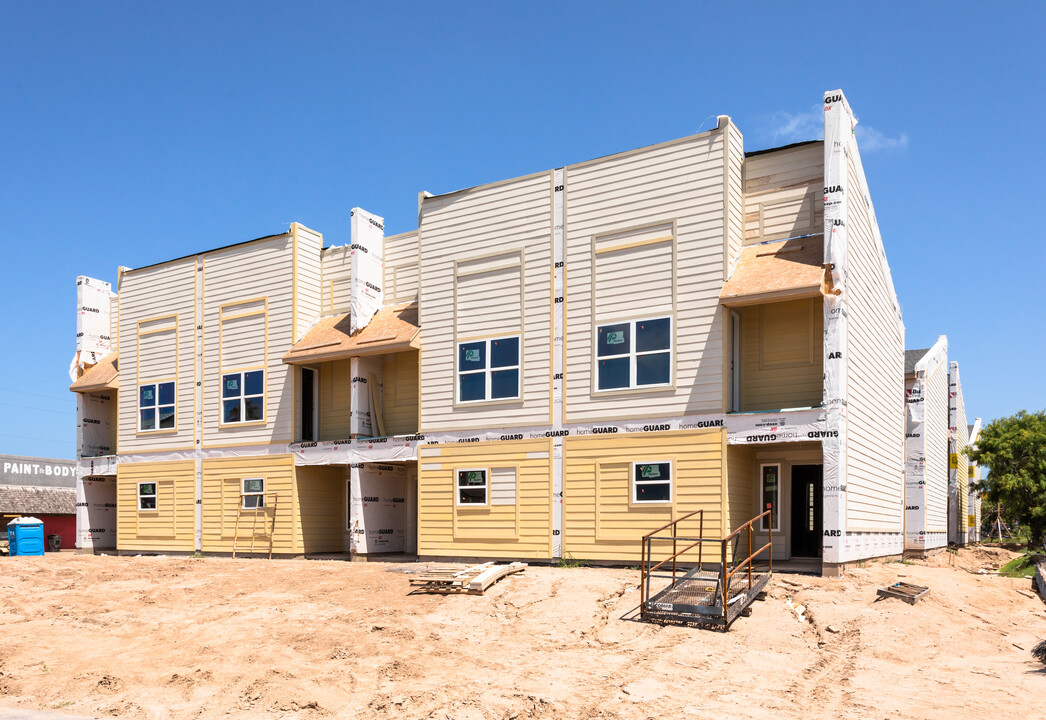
[243, 396]
[488, 369]
[253, 493]
[632, 354]
[156, 406]
[771, 484]
[472, 487]
[146, 496]
[652, 482]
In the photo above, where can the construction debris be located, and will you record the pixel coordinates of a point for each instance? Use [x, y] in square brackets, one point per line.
[473, 580]
[903, 591]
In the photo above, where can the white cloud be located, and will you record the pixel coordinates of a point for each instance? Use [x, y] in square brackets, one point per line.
[871, 140]
[786, 127]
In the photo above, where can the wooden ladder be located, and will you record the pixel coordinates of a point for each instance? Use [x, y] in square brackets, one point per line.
[254, 523]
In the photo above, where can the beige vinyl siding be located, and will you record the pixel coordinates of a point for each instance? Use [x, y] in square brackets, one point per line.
[321, 508]
[401, 268]
[734, 193]
[114, 322]
[616, 269]
[937, 448]
[243, 275]
[741, 484]
[222, 486]
[875, 426]
[488, 296]
[169, 528]
[399, 404]
[600, 521]
[513, 216]
[335, 396]
[782, 357]
[307, 276]
[242, 338]
[154, 298]
[784, 193]
[335, 277]
[158, 351]
[522, 529]
[679, 183]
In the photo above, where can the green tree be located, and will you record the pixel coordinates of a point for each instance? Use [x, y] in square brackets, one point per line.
[1014, 451]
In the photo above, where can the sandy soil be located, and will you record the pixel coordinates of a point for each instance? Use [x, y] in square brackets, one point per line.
[218, 638]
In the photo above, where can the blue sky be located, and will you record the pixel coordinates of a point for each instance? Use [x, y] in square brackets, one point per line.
[134, 132]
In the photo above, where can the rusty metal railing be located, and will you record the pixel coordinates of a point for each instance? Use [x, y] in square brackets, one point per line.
[729, 566]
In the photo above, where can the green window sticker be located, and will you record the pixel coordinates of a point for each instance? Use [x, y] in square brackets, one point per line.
[232, 384]
[616, 337]
[253, 486]
[649, 471]
[147, 489]
[472, 355]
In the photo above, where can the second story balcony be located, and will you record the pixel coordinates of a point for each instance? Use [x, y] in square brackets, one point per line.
[775, 326]
[357, 386]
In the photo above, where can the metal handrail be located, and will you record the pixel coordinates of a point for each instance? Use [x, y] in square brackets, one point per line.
[728, 570]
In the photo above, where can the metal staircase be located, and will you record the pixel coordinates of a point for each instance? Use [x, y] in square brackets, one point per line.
[684, 587]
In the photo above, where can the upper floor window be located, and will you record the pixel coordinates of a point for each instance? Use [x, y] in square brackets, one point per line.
[156, 406]
[633, 354]
[488, 369]
[243, 396]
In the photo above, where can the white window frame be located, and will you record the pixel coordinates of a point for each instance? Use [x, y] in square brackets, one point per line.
[154, 496]
[243, 397]
[637, 481]
[156, 406]
[487, 371]
[485, 486]
[244, 494]
[632, 354]
[767, 524]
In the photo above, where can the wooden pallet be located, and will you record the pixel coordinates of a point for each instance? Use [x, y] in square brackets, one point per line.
[473, 580]
[904, 591]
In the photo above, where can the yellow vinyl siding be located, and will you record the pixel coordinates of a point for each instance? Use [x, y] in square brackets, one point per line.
[222, 485]
[335, 391]
[962, 438]
[520, 530]
[741, 484]
[169, 528]
[466, 228]
[321, 508]
[599, 520]
[399, 403]
[679, 184]
[874, 356]
[782, 356]
[784, 194]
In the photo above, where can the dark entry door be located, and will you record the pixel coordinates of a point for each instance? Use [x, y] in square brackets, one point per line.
[308, 404]
[806, 510]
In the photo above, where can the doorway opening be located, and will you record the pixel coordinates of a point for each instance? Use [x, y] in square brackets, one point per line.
[807, 510]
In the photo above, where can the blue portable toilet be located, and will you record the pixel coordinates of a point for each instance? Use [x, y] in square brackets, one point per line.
[25, 536]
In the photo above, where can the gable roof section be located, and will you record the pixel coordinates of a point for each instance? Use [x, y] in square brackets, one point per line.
[103, 375]
[911, 359]
[393, 329]
[782, 270]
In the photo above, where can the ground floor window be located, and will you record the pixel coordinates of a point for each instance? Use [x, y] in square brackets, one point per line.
[253, 493]
[146, 496]
[652, 482]
[472, 487]
[771, 493]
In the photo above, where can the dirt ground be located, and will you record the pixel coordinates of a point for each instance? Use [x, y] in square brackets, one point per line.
[162, 637]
